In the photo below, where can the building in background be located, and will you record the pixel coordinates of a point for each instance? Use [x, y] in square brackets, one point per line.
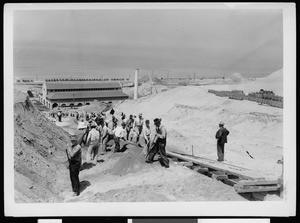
[70, 94]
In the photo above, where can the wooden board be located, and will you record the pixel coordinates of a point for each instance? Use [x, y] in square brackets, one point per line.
[258, 182]
[187, 164]
[200, 169]
[255, 188]
[229, 182]
[227, 168]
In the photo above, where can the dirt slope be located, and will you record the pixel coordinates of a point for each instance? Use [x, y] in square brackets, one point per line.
[39, 155]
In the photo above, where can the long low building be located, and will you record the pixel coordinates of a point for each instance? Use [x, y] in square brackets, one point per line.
[64, 94]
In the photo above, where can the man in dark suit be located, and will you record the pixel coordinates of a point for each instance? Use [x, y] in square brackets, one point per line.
[221, 136]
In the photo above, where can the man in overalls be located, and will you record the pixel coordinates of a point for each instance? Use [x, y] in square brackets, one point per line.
[159, 144]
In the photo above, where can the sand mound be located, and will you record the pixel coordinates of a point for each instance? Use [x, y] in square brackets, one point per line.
[235, 78]
[39, 155]
[147, 88]
[130, 162]
[273, 82]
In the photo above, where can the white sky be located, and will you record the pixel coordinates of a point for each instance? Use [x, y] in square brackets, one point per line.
[244, 40]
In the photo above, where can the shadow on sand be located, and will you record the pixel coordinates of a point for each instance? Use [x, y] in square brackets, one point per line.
[84, 184]
[86, 166]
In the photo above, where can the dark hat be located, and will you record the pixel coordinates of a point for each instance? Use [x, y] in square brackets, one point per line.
[157, 120]
[123, 124]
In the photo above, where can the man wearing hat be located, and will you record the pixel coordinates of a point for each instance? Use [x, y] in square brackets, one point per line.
[129, 125]
[138, 126]
[221, 136]
[74, 158]
[159, 144]
[119, 133]
[93, 140]
[106, 135]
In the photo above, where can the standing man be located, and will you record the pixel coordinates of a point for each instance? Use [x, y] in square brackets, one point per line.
[221, 136]
[119, 133]
[159, 144]
[138, 126]
[59, 114]
[93, 141]
[106, 136]
[129, 126]
[74, 158]
[146, 134]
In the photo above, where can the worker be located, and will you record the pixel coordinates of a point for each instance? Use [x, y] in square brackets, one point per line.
[93, 140]
[74, 158]
[106, 136]
[221, 136]
[114, 122]
[138, 126]
[81, 133]
[59, 115]
[146, 135]
[119, 133]
[129, 126]
[158, 144]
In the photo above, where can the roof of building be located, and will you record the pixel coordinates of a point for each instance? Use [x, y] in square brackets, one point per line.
[86, 94]
[82, 85]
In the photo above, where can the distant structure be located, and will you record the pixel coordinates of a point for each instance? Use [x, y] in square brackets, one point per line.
[136, 79]
[64, 94]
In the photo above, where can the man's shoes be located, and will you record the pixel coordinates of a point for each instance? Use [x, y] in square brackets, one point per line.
[75, 194]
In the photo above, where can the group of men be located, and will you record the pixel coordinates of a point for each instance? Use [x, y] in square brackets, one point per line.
[100, 130]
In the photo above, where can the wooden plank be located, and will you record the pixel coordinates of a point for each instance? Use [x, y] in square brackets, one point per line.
[200, 169]
[227, 168]
[219, 177]
[256, 189]
[258, 182]
[229, 182]
[187, 164]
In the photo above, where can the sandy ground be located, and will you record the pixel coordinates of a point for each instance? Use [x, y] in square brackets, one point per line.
[191, 116]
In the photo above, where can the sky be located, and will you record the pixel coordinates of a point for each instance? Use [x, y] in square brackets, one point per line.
[210, 41]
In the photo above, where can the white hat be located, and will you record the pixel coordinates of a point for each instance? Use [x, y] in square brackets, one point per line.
[221, 123]
[93, 124]
[81, 125]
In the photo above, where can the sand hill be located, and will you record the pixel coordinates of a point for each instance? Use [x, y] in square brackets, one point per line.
[39, 155]
[273, 82]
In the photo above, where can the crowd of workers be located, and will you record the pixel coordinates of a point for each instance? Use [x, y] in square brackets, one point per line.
[97, 130]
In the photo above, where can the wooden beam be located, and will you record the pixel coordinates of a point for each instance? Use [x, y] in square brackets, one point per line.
[258, 182]
[227, 168]
[219, 177]
[229, 182]
[200, 169]
[187, 164]
[255, 188]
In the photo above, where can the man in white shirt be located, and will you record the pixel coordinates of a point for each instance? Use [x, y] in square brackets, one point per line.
[119, 133]
[138, 126]
[147, 136]
[93, 140]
